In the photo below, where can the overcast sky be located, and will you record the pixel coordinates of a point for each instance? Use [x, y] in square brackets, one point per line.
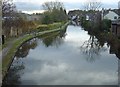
[31, 6]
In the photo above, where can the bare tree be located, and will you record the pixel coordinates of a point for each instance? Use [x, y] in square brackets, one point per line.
[8, 8]
[92, 5]
[92, 48]
[49, 6]
[55, 12]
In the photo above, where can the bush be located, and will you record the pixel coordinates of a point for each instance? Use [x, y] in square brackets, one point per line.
[106, 25]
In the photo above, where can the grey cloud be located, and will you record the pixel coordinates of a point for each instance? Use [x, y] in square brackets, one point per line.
[23, 6]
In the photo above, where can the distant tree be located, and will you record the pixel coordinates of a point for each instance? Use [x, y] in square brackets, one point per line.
[54, 12]
[49, 6]
[47, 18]
[92, 5]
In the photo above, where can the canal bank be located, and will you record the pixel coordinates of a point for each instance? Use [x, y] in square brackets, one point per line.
[8, 58]
[70, 58]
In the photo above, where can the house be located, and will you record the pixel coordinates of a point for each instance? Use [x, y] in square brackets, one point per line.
[77, 13]
[111, 15]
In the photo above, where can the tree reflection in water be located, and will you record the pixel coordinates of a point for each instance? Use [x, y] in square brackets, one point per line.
[54, 39]
[92, 48]
[96, 42]
[24, 49]
[13, 76]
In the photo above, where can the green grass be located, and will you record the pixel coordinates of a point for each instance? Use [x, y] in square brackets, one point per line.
[44, 27]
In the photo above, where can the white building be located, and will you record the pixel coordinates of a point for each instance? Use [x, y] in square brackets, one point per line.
[111, 16]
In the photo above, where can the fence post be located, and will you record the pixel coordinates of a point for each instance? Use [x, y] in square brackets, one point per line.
[3, 39]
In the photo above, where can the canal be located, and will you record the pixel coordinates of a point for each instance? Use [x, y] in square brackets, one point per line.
[69, 57]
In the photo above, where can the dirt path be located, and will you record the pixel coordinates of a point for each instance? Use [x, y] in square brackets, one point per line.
[5, 50]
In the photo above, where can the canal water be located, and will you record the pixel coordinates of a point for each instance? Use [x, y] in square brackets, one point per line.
[69, 57]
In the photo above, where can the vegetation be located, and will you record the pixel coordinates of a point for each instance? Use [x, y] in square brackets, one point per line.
[8, 8]
[55, 12]
[13, 24]
[104, 26]
[48, 26]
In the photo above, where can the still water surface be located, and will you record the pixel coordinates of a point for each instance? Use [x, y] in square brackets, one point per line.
[70, 57]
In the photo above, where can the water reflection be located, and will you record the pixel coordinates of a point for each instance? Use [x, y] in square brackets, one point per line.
[92, 48]
[115, 48]
[57, 60]
[51, 39]
[24, 49]
[16, 70]
[97, 40]
[14, 75]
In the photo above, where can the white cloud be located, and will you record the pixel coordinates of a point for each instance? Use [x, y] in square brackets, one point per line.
[33, 11]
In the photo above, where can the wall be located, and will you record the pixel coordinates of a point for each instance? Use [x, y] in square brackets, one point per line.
[115, 29]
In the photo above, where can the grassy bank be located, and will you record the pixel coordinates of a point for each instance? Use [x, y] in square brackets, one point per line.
[7, 60]
[45, 27]
[9, 57]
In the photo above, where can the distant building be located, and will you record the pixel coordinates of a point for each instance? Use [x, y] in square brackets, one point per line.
[31, 17]
[111, 15]
[119, 5]
[77, 13]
